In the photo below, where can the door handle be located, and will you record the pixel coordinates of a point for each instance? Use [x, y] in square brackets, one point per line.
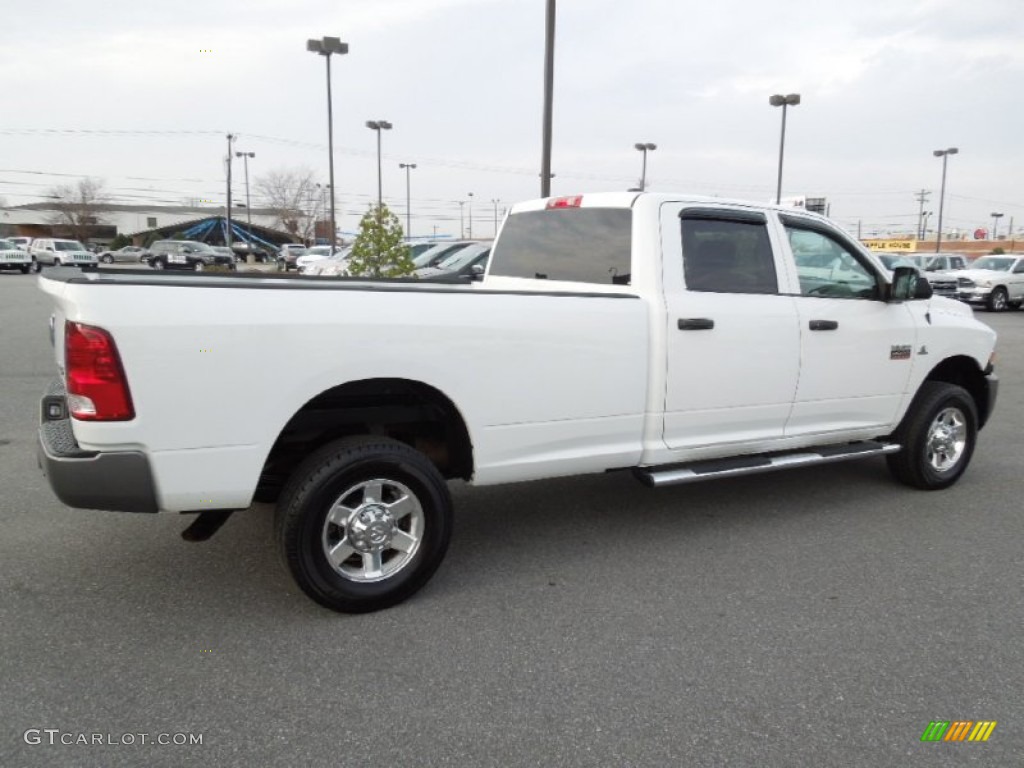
[696, 324]
[824, 325]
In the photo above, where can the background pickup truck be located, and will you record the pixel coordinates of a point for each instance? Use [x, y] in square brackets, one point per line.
[678, 338]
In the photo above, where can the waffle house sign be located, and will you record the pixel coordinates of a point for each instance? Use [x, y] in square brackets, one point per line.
[891, 245]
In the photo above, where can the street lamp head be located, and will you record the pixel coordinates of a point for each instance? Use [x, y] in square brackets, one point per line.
[407, 165]
[644, 147]
[941, 152]
[378, 125]
[790, 99]
[327, 46]
[245, 154]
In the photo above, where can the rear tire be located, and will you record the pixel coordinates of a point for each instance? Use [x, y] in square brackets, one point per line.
[938, 435]
[363, 523]
[108, 259]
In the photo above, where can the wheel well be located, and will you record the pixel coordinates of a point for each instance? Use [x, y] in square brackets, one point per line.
[964, 372]
[409, 411]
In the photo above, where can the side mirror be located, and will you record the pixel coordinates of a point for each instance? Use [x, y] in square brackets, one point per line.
[907, 284]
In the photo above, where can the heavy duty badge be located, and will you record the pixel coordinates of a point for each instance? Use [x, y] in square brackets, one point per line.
[900, 352]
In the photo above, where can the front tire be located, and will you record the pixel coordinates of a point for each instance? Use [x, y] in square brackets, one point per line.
[997, 300]
[108, 259]
[363, 523]
[938, 436]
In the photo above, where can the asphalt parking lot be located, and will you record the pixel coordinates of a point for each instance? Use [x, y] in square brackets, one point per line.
[816, 617]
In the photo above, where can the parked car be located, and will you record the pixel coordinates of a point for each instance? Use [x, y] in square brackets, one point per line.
[465, 262]
[995, 281]
[12, 257]
[260, 253]
[941, 262]
[314, 254]
[49, 251]
[20, 242]
[132, 254]
[669, 336]
[287, 256]
[438, 253]
[336, 265]
[181, 254]
[224, 256]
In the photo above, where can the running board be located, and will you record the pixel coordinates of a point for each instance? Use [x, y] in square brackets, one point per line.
[675, 474]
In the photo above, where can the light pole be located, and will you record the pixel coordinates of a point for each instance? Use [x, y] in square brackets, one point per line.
[995, 223]
[549, 87]
[778, 100]
[495, 202]
[924, 225]
[462, 219]
[408, 216]
[227, 236]
[470, 237]
[378, 126]
[325, 48]
[248, 209]
[944, 154]
[645, 148]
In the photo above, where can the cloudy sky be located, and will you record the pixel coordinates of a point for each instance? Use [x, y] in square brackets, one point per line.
[141, 95]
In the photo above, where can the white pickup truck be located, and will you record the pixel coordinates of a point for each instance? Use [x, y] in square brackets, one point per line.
[672, 336]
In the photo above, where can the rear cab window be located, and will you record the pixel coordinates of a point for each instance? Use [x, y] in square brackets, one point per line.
[571, 244]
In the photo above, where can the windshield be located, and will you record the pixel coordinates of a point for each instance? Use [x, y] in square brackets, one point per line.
[7, 245]
[68, 245]
[996, 263]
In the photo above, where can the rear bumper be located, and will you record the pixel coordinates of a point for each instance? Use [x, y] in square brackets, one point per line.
[120, 481]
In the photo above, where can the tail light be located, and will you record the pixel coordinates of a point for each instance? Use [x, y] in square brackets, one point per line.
[97, 387]
[565, 202]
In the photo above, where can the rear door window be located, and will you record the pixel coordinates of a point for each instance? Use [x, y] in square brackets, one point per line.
[725, 253]
[582, 245]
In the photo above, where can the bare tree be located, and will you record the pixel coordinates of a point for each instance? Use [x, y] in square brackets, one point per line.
[79, 206]
[287, 193]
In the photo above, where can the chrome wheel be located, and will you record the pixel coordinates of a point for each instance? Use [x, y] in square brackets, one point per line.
[947, 440]
[997, 300]
[373, 530]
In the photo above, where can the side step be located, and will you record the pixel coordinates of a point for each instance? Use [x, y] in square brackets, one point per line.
[675, 474]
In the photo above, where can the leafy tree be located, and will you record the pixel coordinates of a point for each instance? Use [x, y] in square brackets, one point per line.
[119, 241]
[379, 250]
[998, 251]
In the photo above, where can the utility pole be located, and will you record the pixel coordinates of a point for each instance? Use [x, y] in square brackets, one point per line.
[921, 198]
[495, 202]
[227, 236]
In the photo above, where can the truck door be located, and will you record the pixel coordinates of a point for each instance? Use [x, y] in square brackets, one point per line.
[733, 344]
[855, 348]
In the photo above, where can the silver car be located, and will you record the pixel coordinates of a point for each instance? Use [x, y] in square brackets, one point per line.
[49, 251]
[130, 254]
